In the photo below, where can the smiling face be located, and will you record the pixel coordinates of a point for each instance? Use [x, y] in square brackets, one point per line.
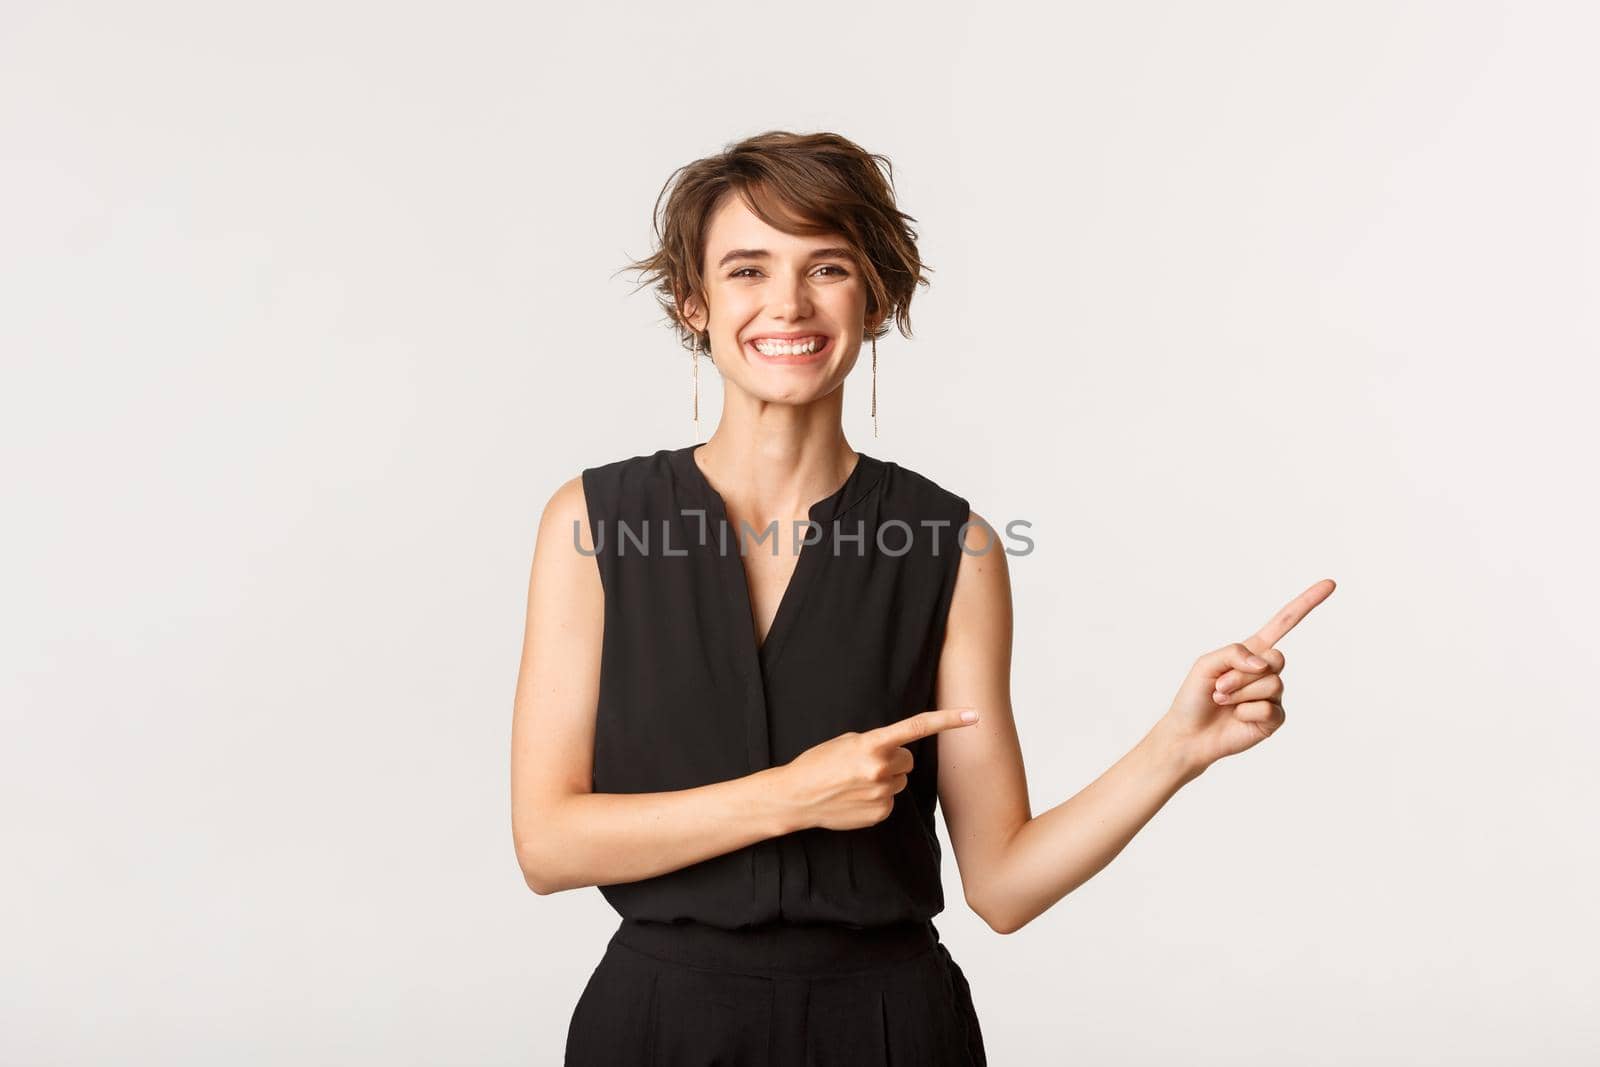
[786, 311]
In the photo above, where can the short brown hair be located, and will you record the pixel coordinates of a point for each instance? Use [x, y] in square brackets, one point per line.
[801, 184]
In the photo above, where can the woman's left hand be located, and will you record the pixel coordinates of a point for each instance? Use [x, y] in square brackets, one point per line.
[1233, 696]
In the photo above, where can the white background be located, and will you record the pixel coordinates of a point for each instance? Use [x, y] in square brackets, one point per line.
[307, 309]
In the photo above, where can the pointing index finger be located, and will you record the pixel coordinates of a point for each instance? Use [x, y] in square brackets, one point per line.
[1289, 616]
[915, 727]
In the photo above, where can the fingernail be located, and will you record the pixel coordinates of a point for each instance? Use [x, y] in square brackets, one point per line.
[969, 716]
[1256, 661]
[1219, 697]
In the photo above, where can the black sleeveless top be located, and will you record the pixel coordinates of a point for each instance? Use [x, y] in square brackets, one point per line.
[688, 698]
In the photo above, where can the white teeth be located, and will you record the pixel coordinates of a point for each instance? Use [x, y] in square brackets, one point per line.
[784, 348]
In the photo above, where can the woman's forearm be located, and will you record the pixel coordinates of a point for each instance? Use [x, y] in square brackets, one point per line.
[587, 839]
[1056, 851]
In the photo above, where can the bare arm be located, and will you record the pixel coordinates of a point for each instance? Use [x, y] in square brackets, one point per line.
[566, 835]
[1015, 865]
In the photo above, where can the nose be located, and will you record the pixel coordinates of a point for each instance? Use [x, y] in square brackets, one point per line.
[791, 300]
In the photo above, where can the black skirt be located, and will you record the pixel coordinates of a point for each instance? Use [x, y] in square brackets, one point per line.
[781, 995]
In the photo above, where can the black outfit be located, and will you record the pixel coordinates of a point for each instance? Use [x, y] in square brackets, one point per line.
[817, 946]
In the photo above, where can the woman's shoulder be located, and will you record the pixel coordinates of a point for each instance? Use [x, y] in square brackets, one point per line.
[658, 458]
[639, 464]
[640, 480]
[920, 493]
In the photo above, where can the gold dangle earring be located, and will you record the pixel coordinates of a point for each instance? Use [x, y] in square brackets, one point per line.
[694, 344]
[874, 387]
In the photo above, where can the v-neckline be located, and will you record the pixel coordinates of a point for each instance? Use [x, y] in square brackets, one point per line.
[728, 549]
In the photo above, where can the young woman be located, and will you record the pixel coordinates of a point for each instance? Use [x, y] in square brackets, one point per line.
[754, 668]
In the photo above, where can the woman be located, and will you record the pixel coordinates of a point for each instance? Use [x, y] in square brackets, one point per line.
[742, 742]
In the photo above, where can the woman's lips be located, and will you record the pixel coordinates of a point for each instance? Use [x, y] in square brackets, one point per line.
[808, 357]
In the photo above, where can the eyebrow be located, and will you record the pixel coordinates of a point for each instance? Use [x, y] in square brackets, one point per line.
[762, 253]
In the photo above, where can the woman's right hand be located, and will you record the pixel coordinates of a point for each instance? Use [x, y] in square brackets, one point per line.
[850, 781]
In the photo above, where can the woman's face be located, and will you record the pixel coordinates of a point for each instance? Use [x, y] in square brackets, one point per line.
[786, 312]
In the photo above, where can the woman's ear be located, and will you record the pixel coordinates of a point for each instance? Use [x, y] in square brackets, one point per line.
[691, 314]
